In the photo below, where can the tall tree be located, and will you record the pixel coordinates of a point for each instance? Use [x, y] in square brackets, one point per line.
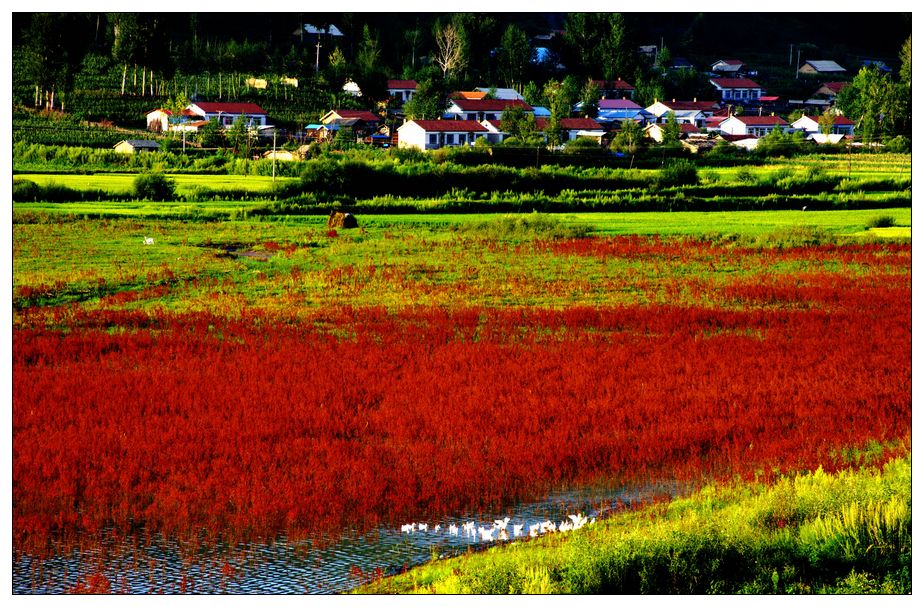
[46, 57]
[590, 99]
[450, 49]
[905, 70]
[515, 56]
[581, 38]
[429, 101]
[615, 48]
[126, 41]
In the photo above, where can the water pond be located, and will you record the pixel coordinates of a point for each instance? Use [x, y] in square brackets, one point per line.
[297, 567]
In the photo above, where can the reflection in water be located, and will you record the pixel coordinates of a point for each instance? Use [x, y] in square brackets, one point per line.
[284, 567]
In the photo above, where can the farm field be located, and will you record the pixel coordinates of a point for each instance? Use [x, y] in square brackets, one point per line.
[248, 382]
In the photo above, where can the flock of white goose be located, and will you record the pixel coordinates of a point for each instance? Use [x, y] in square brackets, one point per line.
[498, 531]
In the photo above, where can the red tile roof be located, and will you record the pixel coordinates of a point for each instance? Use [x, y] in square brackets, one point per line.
[360, 114]
[616, 85]
[836, 86]
[571, 124]
[402, 84]
[490, 105]
[450, 126]
[213, 107]
[735, 83]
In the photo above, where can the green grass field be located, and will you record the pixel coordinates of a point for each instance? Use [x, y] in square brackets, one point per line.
[122, 183]
[806, 534]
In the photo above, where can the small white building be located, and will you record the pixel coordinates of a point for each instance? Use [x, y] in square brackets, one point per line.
[402, 90]
[840, 125]
[757, 126]
[737, 89]
[660, 109]
[135, 146]
[435, 134]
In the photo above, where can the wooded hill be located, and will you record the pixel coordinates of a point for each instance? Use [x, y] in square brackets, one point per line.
[117, 66]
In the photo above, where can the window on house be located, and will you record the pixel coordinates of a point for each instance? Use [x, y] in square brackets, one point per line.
[450, 139]
[471, 116]
[432, 138]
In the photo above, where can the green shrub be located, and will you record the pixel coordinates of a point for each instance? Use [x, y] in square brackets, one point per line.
[25, 190]
[881, 221]
[154, 186]
[678, 173]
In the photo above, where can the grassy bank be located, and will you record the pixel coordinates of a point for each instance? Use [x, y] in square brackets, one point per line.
[848, 532]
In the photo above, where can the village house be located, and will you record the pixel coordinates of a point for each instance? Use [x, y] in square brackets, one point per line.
[161, 120]
[621, 110]
[729, 68]
[655, 131]
[840, 125]
[401, 90]
[435, 134]
[743, 90]
[482, 109]
[228, 113]
[615, 89]
[701, 110]
[136, 146]
[819, 66]
[830, 90]
[757, 126]
[572, 128]
[363, 116]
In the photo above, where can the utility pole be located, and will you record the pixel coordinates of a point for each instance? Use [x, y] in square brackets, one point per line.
[274, 155]
[790, 54]
[798, 60]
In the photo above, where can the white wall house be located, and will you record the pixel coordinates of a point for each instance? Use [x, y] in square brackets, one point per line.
[737, 89]
[757, 126]
[435, 134]
[402, 90]
[572, 128]
[660, 109]
[482, 109]
[228, 113]
[810, 124]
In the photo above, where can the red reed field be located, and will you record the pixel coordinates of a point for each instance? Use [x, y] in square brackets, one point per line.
[454, 376]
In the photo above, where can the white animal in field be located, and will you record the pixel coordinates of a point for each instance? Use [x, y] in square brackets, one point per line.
[502, 536]
[502, 523]
[517, 530]
[547, 527]
[407, 528]
[453, 529]
[577, 521]
[535, 529]
[565, 527]
[436, 529]
[487, 534]
[148, 240]
[422, 526]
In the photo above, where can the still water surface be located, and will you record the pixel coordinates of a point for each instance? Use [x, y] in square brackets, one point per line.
[297, 567]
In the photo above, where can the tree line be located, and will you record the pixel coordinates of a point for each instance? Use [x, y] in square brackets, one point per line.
[174, 55]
